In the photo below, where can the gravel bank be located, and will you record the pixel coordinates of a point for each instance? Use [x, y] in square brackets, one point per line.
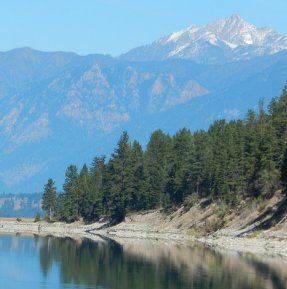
[154, 225]
[258, 245]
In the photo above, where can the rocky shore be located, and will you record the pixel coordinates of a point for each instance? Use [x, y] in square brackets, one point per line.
[264, 244]
[241, 231]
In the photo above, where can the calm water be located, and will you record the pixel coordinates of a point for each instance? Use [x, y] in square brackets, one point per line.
[49, 262]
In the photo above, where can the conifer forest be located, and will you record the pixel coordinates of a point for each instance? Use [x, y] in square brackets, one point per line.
[245, 158]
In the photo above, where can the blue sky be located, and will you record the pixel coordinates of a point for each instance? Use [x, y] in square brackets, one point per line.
[115, 26]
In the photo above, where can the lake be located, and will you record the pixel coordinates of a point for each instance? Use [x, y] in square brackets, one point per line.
[36, 262]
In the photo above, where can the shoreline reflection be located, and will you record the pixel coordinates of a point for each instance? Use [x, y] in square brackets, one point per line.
[154, 264]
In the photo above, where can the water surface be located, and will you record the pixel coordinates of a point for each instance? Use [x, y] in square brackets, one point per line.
[49, 262]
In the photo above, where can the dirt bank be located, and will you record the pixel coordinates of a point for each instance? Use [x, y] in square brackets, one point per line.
[252, 227]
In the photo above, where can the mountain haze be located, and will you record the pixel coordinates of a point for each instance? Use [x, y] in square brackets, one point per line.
[24, 205]
[59, 108]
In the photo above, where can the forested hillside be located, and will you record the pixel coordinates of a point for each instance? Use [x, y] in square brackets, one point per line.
[230, 161]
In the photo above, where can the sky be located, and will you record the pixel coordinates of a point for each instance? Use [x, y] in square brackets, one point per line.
[116, 26]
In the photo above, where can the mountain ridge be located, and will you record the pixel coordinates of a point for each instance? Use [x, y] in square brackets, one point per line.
[220, 41]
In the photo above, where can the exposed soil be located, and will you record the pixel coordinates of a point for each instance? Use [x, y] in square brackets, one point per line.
[256, 227]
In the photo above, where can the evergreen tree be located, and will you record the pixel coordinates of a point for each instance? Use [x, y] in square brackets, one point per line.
[119, 176]
[234, 140]
[251, 152]
[71, 194]
[137, 183]
[178, 183]
[49, 198]
[96, 198]
[268, 174]
[278, 112]
[200, 165]
[219, 160]
[60, 207]
[84, 193]
[108, 188]
[284, 171]
[156, 165]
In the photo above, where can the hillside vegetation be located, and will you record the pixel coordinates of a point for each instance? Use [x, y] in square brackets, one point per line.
[229, 162]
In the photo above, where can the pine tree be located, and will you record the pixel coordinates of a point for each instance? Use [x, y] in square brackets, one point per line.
[60, 207]
[200, 165]
[278, 112]
[284, 171]
[156, 165]
[84, 194]
[137, 179]
[251, 152]
[49, 198]
[98, 179]
[119, 170]
[178, 184]
[219, 160]
[71, 194]
[268, 177]
[108, 182]
[234, 146]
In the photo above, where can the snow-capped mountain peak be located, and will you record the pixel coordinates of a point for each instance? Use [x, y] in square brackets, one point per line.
[236, 31]
[223, 40]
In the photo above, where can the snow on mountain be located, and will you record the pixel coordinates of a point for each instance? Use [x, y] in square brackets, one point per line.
[224, 40]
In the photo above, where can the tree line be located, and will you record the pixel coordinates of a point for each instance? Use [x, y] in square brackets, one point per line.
[228, 161]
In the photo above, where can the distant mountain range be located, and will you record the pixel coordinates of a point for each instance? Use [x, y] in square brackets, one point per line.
[61, 108]
[17, 206]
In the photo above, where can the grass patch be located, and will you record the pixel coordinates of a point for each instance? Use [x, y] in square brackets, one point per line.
[254, 234]
[196, 233]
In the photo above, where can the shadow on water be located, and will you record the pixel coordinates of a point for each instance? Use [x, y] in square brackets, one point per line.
[151, 264]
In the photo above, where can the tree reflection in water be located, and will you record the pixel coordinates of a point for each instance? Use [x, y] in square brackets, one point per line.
[155, 265]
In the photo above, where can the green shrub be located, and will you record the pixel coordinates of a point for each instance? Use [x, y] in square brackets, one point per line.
[214, 225]
[190, 201]
[221, 210]
[37, 218]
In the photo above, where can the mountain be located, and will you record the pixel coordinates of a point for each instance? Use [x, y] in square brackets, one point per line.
[221, 41]
[24, 205]
[60, 108]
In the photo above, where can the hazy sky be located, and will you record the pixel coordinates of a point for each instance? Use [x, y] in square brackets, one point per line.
[115, 26]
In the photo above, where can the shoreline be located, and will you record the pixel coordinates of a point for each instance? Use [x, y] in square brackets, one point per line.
[82, 230]
[258, 246]
[264, 244]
